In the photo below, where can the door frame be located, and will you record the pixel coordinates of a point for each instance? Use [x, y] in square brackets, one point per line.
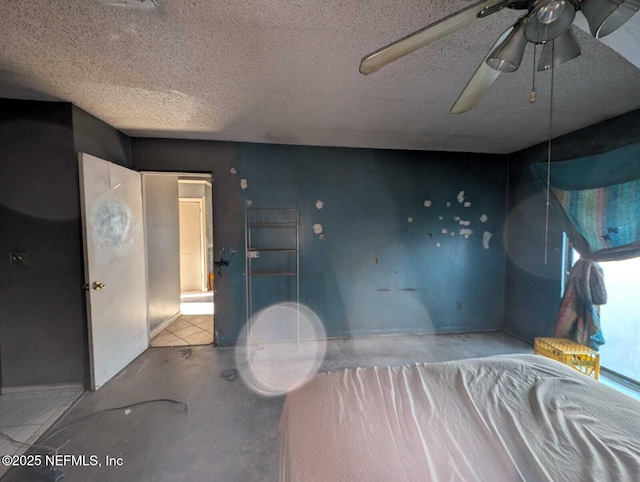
[203, 238]
[208, 179]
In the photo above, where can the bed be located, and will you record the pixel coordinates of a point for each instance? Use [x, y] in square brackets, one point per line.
[501, 418]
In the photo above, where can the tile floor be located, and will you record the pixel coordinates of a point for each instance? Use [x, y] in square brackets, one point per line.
[26, 415]
[186, 331]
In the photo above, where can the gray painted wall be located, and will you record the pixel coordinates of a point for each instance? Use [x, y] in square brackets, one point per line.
[43, 330]
[163, 246]
[534, 290]
[368, 196]
[42, 320]
[93, 136]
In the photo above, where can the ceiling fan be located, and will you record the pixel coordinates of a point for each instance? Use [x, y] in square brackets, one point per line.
[547, 23]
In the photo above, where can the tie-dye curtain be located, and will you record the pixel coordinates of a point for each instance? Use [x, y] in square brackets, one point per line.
[599, 198]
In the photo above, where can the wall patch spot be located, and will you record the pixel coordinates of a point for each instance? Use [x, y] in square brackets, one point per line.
[444, 231]
[453, 233]
[437, 245]
[466, 233]
[317, 229]
[456, 218]
[111, 222]
[319, 204]
[409, 219]
[427, 204]
[244, 184]
[464, 223]
[233, 170]
[484, 218]
[467, 204]
[486, 237]
[461, 197]
[448, 205]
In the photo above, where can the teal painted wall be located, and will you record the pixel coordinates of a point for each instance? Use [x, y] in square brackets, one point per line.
[368, 195]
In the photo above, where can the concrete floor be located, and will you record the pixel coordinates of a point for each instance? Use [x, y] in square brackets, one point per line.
[230, 432]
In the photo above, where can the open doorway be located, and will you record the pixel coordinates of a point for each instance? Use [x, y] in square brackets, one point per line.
[179, 233]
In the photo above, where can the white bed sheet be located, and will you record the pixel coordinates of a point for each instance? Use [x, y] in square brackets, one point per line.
[503, 418]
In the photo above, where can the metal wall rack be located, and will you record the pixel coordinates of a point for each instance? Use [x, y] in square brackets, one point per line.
[272, 247]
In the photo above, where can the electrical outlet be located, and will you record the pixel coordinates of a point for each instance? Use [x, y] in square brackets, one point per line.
[223, 250]
[232, 249]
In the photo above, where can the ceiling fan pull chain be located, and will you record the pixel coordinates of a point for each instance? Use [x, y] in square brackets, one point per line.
[532, 94]
[546, 229]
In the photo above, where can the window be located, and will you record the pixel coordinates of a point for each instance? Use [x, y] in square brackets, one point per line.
[620, 317]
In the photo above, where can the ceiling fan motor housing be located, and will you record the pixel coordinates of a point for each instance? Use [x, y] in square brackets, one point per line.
[549, 19]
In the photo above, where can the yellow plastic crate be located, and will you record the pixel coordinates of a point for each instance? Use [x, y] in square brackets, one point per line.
[579, 357]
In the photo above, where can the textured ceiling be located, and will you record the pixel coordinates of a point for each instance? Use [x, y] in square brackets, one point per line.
[284, 71]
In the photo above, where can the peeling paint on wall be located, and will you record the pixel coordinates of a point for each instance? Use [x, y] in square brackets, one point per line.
[453, 233]
[448, 205]
[467, 204]
[248, 203]
[244, 184]
[437, 245]
[484, 218]
[319, 204]
[409, 219]
[427, 204]
[461, 197]
[464, 223]
[233, 170]
[486, 237]
[318, 229]
[444, 231]
[456, 218]
[466, 233]
[440, 218]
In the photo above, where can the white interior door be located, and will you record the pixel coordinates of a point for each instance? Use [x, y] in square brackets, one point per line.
[191, 246]
[114, 251]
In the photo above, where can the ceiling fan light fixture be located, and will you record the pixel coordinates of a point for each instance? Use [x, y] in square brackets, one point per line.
[549, 19]
[606, 16]
[507, 56]
[566, 48]
[550, 12]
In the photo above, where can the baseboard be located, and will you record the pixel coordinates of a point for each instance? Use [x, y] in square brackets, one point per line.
[41, 388]
[164, 324]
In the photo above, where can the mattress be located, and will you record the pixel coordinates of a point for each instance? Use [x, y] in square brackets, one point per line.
[503, 418]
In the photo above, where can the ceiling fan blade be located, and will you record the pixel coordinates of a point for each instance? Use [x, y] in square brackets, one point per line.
[428, 35]
[482, 79]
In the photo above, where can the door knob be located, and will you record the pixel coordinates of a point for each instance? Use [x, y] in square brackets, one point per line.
[97, 285]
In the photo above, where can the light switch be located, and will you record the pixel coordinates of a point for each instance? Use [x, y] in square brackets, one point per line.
[18, 258]
[223, 250]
